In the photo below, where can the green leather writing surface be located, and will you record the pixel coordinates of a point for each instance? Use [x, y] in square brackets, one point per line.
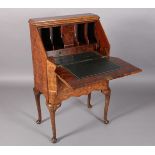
[91, 67]
[69, 59]
[86, 64]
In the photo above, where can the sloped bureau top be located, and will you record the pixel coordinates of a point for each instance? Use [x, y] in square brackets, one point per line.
[59, 20]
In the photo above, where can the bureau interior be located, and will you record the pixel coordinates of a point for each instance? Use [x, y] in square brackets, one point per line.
[64, 36]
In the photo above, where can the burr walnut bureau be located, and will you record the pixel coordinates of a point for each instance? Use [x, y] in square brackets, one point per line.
[71, 57]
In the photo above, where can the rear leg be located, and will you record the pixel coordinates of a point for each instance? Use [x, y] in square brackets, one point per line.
[37, 98]
[88, 101]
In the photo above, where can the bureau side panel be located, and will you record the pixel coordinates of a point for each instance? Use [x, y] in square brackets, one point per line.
[104, 46]
[39, 61]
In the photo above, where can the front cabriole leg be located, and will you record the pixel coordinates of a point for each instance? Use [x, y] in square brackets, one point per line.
[37, 98]
[107, 93]
[52, 109]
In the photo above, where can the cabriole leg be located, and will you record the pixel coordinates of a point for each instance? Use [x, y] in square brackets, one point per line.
[52, 109]
[107, 93]
[37, 98]
[52, 115]
[88, 101]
